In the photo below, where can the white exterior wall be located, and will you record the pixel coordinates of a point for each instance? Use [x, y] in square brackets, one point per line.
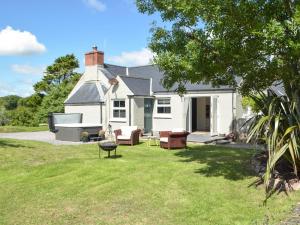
[118, 92]
[225, 112]
[175, 119]
[138, 112]
[239, 107]
[180, 116]
[91, 113]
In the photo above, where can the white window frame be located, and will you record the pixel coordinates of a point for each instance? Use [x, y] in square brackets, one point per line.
[119, 108]
[163, 105]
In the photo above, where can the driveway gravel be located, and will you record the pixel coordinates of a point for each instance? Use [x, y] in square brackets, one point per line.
[44, 136]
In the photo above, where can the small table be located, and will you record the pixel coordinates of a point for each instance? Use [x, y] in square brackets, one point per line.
[151, 139]
[108, 147]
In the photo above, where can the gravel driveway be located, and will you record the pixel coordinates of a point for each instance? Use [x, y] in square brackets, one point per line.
[44, 136]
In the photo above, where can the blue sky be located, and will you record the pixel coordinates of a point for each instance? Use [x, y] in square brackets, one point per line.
[33, 33]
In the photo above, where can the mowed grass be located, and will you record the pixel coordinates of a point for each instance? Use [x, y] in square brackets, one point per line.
[46, 184]
[12, 129]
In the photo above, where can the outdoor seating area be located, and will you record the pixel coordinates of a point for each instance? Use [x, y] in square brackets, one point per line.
[69, 127]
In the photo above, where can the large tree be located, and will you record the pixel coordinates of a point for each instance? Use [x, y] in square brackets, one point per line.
[60, 72]
[249, 44]
[59, 79]
[219, 41]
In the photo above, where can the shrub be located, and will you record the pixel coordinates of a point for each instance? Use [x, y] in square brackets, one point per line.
[102, 134]
[3, 116]
[84, 137]
[278, 127]
[22, 116]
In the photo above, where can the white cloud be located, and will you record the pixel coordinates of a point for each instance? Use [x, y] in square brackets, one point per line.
[16, 42]
[95, 4]
[27, 69]
[135, 58]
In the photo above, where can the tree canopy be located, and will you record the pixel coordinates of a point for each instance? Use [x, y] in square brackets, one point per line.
[57, 83]
[225, 41]
[61, 71]
[10, 102]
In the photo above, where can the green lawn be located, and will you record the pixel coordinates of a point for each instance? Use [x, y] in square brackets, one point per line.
[11, 129]
[46, 184]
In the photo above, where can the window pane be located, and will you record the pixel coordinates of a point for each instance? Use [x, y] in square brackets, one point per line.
[167, 109]
[122, 103]
[163, 101]
[207, 111]
[116, 103]
[122, 113]
[116, 113]
[163, 109]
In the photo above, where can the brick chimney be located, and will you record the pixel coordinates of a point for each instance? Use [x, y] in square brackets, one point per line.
[94, 57]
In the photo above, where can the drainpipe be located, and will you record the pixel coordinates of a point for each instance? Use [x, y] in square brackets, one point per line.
[233, 113]
[129, 110]
[101, 114]
[151, 91]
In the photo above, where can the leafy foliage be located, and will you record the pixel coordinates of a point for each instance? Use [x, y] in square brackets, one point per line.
[245, 44]
[278, 125]
[22, 116]
[225, 41]
[10, 102]
[61, 71]
[3, 116]
[249, 102]
[54, 100]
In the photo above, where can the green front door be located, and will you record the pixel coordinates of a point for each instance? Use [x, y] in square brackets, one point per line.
[148, 111]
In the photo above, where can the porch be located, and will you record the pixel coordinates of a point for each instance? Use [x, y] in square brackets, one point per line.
[202, 137]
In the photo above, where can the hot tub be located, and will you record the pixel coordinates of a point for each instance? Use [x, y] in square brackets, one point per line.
[72, 131]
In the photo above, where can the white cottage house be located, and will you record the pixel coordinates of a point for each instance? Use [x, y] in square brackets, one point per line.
[118, 95]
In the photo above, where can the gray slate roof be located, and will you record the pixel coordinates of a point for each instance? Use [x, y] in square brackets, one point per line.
[138, 81]
[278, 88]
[115, 70]
[87, 93]
[152, 71]
[138, 86]
[106, 73]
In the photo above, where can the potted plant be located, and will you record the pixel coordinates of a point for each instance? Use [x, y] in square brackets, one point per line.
[84, 137]
[102, 134]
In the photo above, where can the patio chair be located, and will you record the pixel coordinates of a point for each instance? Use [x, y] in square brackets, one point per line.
[127, 135]
[173, 139]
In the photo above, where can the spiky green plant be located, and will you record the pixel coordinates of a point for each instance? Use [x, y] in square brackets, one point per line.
[277, 125]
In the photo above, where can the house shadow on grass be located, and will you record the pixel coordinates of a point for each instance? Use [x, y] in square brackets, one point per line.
[232, 164]
[7, 143]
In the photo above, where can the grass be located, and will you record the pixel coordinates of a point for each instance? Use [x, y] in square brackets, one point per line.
[12, 129]
[46, 184]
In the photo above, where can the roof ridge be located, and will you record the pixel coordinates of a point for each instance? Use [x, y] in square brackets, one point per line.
[114, 65]
[142, 78]
[141, 66]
